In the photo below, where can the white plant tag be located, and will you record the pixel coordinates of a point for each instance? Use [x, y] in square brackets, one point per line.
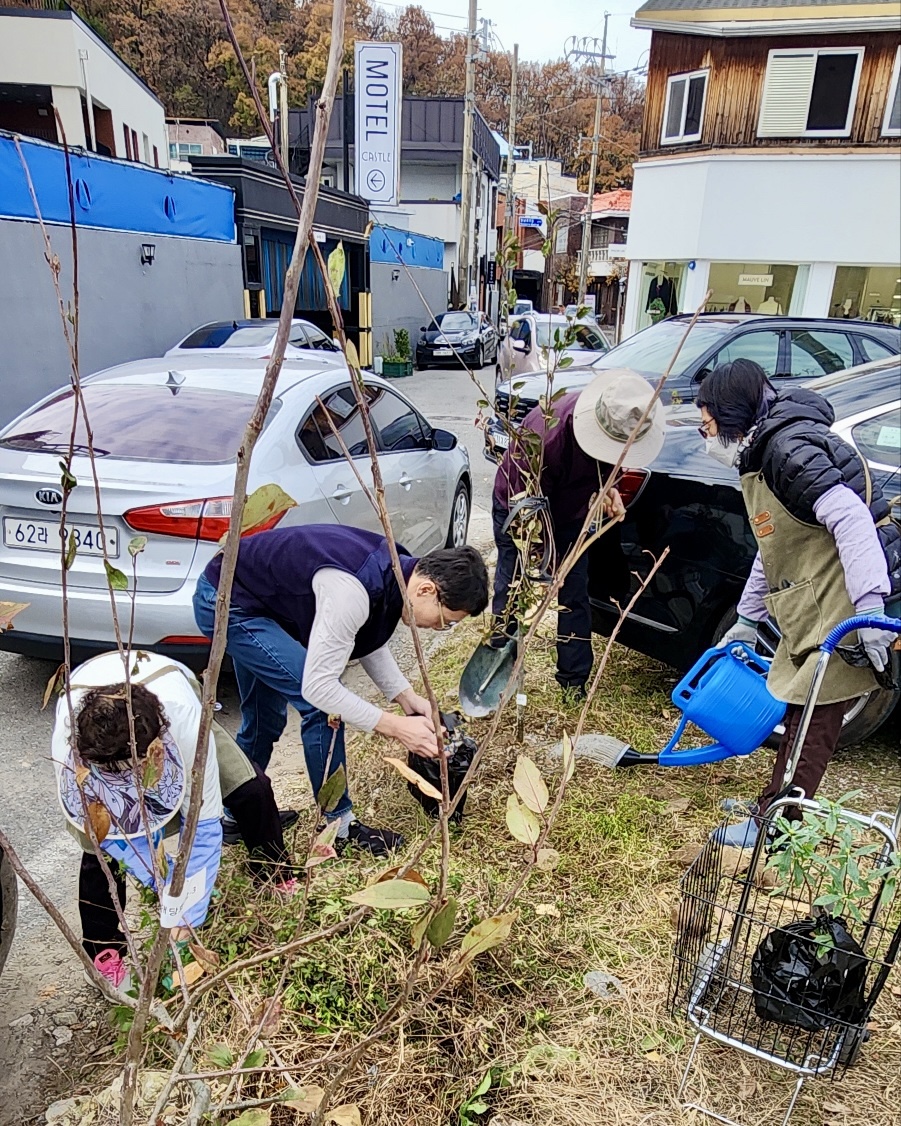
[173, 908]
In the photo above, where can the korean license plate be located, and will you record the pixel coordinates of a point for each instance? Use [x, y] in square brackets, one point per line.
[501, 440]
[43, 535]
[444, 351]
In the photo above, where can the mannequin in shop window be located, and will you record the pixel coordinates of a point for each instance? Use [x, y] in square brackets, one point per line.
[739, 305]
[770, 306]
[663, 289]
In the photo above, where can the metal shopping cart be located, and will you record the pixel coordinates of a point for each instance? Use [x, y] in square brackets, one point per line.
[738, 918]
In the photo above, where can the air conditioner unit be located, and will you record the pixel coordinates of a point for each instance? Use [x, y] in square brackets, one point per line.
[327, 181]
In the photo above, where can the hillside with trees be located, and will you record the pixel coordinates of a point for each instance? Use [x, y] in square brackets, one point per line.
[180, 49]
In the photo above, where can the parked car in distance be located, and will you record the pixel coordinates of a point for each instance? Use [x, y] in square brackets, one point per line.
[9, 898]
[693, 505]
[164, 443]
[522, 307]
[255, 338]
[457, 336]
[785, 347]
[530, 340]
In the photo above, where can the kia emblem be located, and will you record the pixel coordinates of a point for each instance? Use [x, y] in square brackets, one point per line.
[49, 496]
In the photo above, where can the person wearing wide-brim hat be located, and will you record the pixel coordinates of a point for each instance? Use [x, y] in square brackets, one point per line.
[583, 435]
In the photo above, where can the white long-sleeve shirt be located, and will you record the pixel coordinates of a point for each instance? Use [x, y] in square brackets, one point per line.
[342, 609]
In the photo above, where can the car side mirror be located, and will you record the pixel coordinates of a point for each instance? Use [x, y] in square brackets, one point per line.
[521, 346]
[443, 440]
[422, 328]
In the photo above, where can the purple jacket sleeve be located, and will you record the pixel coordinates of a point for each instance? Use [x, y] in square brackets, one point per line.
[751, 604]
[849, 522]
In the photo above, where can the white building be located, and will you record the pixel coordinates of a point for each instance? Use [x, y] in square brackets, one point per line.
[770, 170]
[52, 63]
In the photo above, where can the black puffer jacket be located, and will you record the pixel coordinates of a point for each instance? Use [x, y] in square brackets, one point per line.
[801, 458]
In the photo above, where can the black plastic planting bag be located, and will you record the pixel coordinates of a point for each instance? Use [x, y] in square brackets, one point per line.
[797, 982]
[463, 749]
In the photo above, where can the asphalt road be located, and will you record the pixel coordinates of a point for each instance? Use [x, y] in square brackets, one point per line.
[46, 1012]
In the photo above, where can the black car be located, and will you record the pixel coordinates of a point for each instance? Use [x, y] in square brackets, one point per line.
[693, 505]
[785, 347]
[473, 336]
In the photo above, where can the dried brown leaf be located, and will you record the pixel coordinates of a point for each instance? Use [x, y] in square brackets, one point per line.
[347, 1115]
[305, 1099]
[8, 610]
[529, 785]
[192, 972]
[416, 779]
[99, 819]
[209, 959]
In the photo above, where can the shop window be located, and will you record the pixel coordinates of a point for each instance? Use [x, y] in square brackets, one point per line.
[661, 291]
[891, 126]
[683, 113]
[809, 93]
[753, 287]
[872, 293]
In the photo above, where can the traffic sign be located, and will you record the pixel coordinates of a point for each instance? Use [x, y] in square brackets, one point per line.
[531, 221]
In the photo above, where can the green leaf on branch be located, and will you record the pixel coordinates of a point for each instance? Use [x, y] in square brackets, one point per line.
[353, 357]
[569, 757]
[420, 928]
[71, 549]
[136, 545]
[336, 267]
[255, 1058]
[442, 925]
[529, 785]
[117, 579]
[153, 764]
[54, 684]
[263, 506]
[392, 895]
[67, 481]
[259, 1116]
[220, 1055]
[522, 822]
[332, 790]
[547, 859]
[486, 935]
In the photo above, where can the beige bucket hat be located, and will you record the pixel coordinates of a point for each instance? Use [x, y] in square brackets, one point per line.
[607, 412]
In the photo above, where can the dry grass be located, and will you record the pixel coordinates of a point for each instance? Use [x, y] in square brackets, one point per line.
[556, 1055]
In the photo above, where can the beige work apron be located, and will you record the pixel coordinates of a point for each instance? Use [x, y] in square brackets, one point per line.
[807, 598]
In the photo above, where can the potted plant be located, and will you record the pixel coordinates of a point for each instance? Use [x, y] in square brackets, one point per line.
[396, 362]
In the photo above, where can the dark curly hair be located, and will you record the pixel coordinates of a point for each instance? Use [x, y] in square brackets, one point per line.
[460, 575]
[102, 730]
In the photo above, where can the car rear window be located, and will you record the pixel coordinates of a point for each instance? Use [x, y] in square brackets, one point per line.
[229, 335]
[649, 352]
[140, 423]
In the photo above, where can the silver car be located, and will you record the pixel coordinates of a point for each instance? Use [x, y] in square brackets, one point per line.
[255, 338]
[165, 432]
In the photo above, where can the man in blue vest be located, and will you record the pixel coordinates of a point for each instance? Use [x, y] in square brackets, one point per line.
[306, 600]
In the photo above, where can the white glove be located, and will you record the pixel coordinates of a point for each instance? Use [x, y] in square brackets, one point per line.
[877, 643]
[743, 630]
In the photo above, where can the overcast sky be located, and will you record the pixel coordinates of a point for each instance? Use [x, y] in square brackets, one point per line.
[541, 27]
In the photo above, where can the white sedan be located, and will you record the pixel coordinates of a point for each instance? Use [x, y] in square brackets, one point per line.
[165, 433]
[255, 338]
[530, 341]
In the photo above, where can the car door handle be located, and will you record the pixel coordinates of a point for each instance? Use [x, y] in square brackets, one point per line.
[342, 493]
[405, 481]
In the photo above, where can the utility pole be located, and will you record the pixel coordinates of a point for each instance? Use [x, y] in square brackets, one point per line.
[469, 111]
[582, 49]
[507, 275]
[283, 108]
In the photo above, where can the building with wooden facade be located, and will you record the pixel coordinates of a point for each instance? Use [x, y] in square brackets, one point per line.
[770, 166]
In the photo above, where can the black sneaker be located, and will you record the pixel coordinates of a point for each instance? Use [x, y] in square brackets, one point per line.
[231, 834]
[379, 842]
[573, 694]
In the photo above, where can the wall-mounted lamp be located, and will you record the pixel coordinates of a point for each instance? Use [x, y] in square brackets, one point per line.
[395, 275]
[148, 253]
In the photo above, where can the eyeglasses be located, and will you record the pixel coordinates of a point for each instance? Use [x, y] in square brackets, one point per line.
[444, 624]
[702, 429]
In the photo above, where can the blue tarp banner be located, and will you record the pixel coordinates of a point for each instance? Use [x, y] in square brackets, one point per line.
[386, 244]
[114, 195]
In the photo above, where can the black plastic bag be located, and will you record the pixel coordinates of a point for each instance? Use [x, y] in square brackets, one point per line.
[796, 982]
[463, 750]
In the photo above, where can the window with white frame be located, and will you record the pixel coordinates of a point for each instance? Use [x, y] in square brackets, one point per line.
[810, 92]
[178, 151]
[891, 125]
[683, 113]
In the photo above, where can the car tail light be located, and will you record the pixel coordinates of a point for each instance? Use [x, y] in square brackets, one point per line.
[186, 639]
[631, 484]
[192, 519]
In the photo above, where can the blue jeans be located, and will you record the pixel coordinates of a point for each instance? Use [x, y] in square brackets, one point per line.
[268, 666]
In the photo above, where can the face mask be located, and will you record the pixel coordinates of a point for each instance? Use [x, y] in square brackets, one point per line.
[725, 455]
